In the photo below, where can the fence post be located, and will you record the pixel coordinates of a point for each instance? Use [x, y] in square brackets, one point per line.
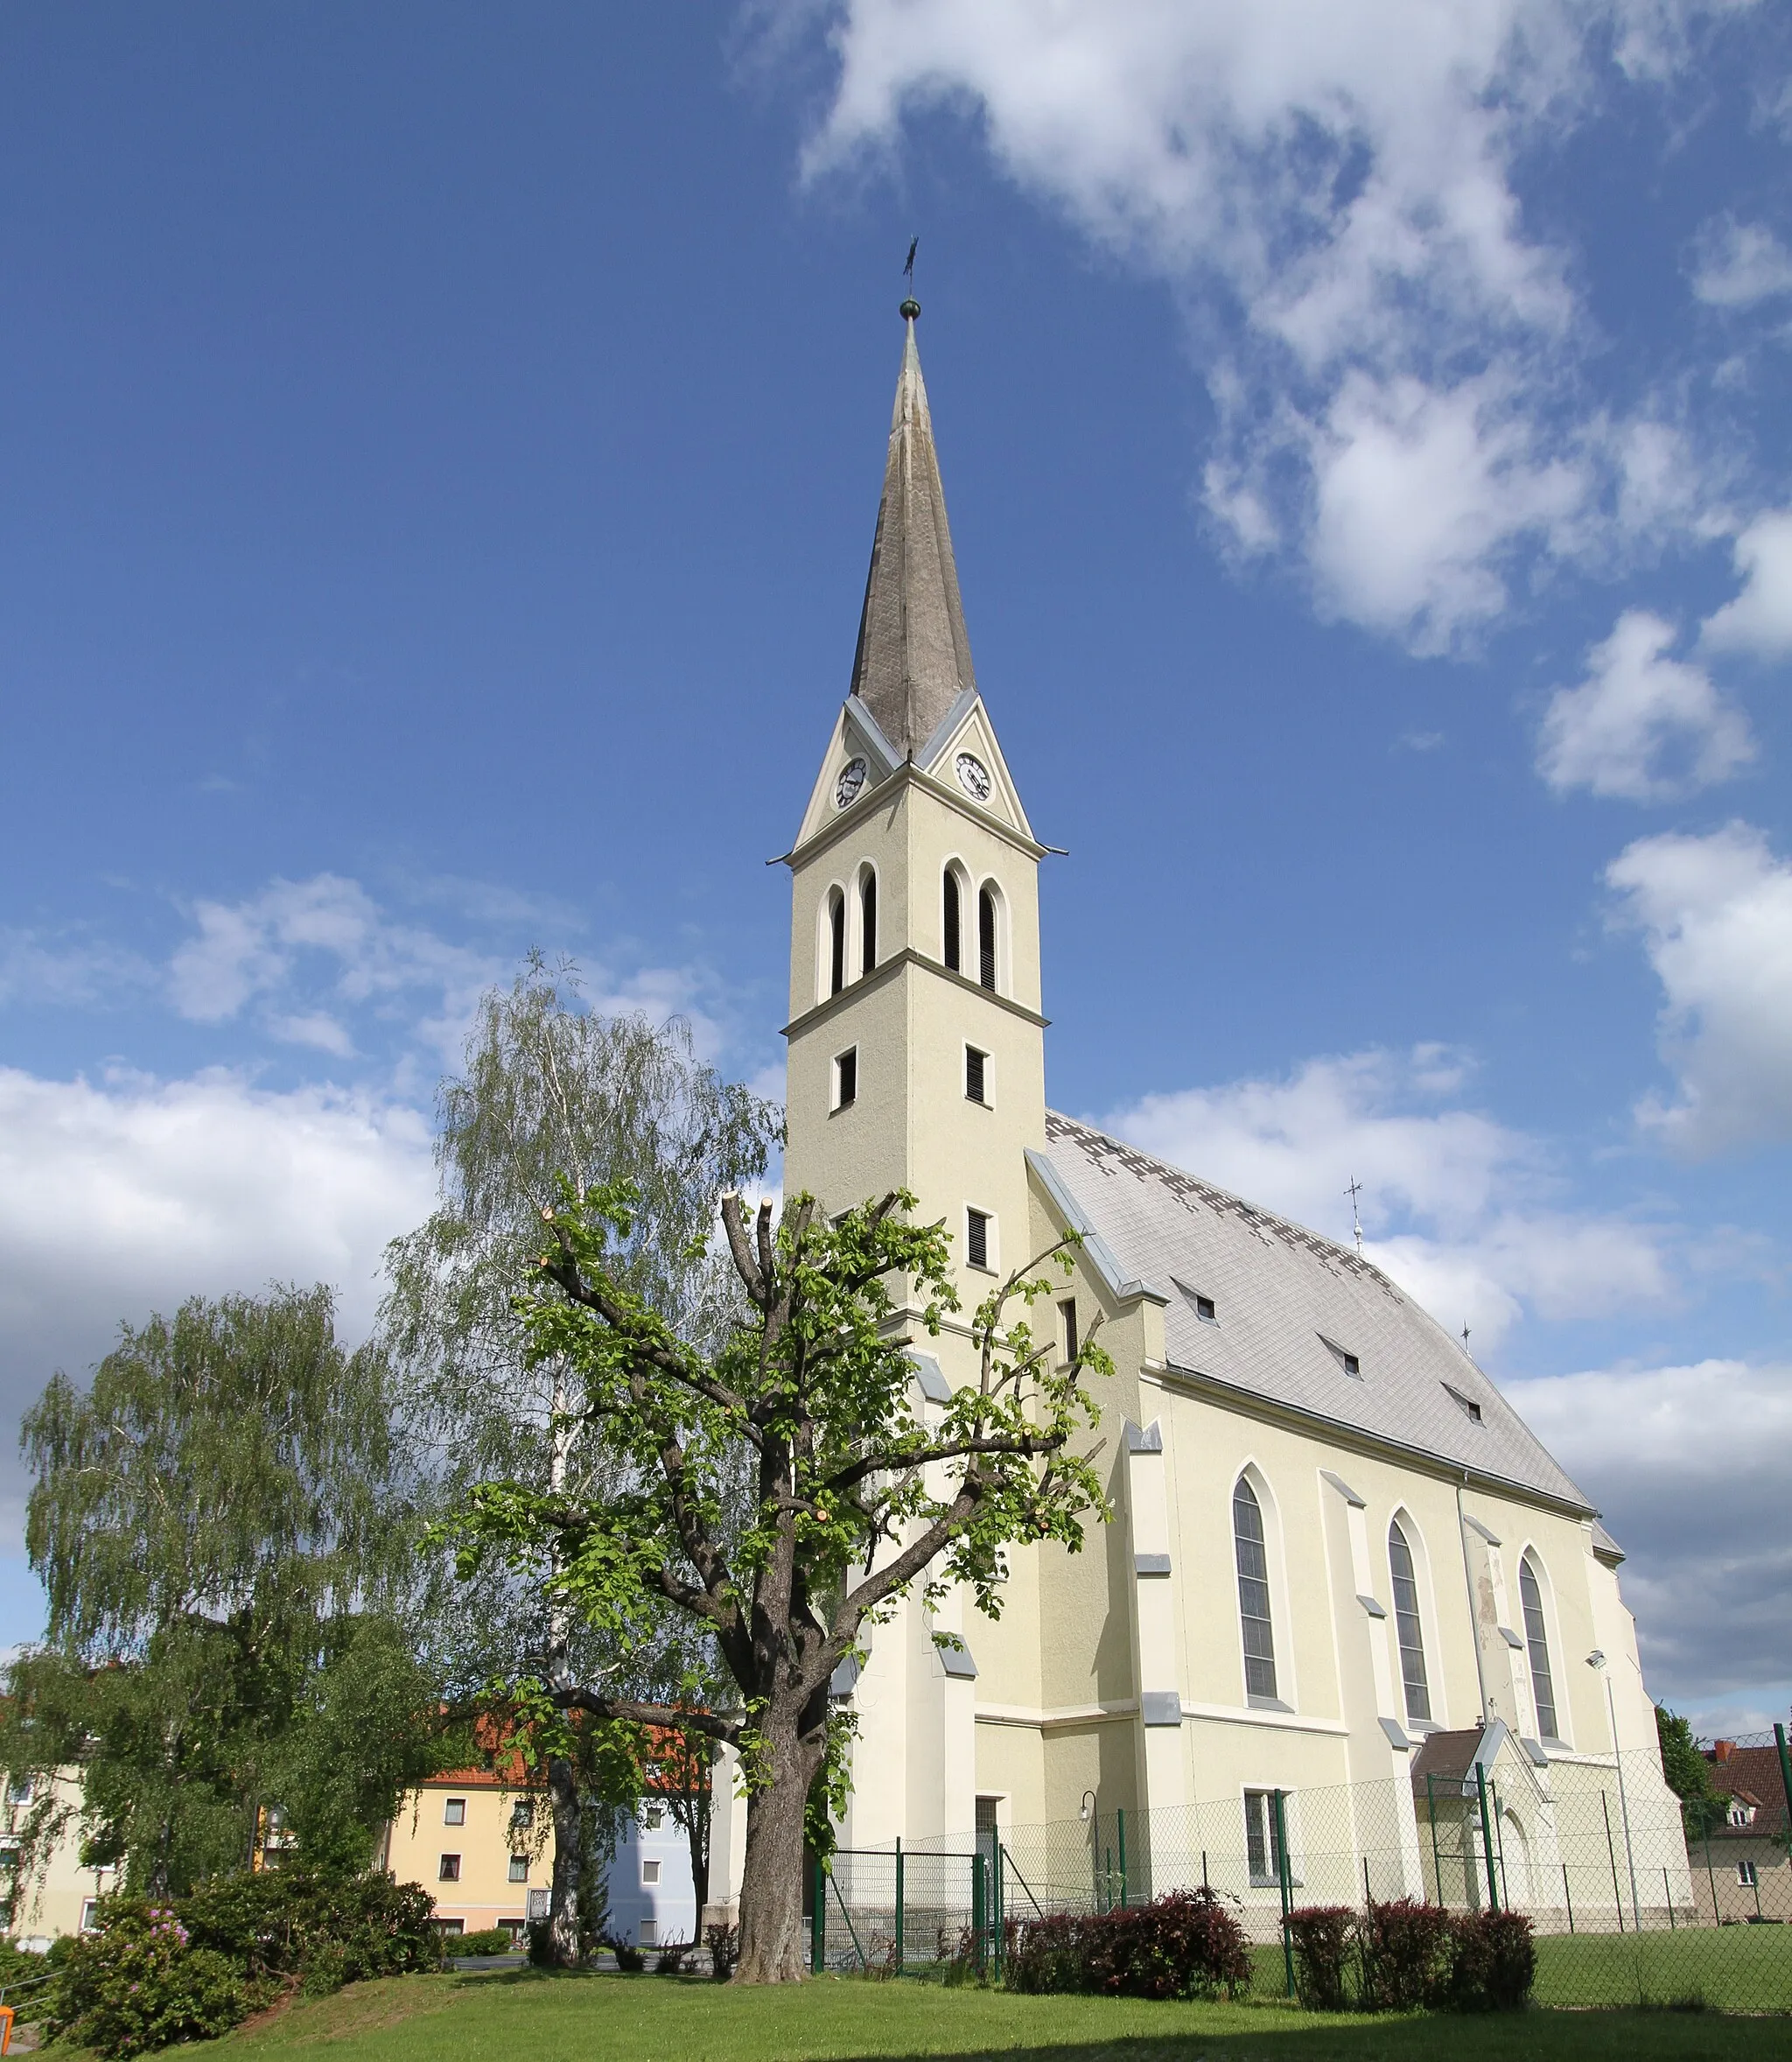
[1568, 1896]
[1285, 1881]
[1431, 1813]
[979, 1913]
[1486, 1837]
[1711, 1874]
[1617, 1895]
[1667, 1893]
[898, 1905]
[1785, 1768]
[1095, 1857]
[818, 1926]
[1000, 1908]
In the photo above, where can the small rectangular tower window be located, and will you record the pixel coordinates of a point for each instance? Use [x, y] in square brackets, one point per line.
[1066, 1311]
[975, 1081]
[977, 1237]
[846, 1078]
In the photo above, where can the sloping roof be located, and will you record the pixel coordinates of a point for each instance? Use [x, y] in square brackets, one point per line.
[1290, 1310]
[1752, 1774]
[913, 656]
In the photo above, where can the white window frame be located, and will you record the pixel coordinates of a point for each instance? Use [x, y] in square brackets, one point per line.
[1281, 1619]
[987, 1101]
[650, 1871]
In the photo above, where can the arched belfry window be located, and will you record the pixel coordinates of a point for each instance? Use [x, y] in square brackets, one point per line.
[1407, 1629]
[868, 920]
[836, 940]
[986, 916]
[1536, 1640]
[952, 922]
[1253, 1591]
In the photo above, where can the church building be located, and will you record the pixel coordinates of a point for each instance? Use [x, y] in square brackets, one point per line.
[1340, 1569]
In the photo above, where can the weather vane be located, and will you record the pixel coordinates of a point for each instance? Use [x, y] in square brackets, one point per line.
[908, 267]
[910, 307]
[1352, 1192]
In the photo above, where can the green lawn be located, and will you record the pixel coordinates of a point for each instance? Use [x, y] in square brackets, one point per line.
[534, 2018]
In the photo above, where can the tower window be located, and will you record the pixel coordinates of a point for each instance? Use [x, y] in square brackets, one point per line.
[846, 1078]
[868, 919]
[1067, 1312]
[985, 938]
[977, 1237]
[953, 920]
[836, 940]
[975, 1063]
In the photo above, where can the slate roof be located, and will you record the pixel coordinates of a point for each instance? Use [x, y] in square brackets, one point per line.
[1290, 1307]
[913, 656]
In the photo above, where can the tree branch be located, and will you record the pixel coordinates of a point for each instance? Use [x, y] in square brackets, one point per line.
[727, 1731]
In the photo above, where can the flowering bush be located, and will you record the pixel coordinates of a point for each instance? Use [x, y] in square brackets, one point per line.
[139, 1983]
[1185, 1943]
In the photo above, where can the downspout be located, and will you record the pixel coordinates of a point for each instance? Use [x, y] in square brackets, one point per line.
[1480, 1675]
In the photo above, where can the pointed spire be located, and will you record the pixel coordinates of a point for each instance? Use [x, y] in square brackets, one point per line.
[914, 658]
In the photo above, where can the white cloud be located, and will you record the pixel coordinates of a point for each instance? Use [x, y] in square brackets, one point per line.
[1739, 263]
[1397, 361]
[127, 1195]
[68, 970]
[1458, 1208]
[1759, 621]
[1688, 1465]
[1716, 916]
[1642, 725]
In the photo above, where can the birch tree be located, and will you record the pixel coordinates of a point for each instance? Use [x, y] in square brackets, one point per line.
[549, 1088]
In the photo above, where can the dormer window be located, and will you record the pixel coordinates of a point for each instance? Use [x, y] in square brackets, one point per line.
[1203, 1307]
[1345, 1358]
[1466, 1405]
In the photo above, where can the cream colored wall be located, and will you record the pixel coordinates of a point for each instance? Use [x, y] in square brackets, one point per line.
[485, 1896]
[50, 1903]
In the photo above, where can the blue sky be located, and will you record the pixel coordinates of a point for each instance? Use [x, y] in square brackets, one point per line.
[440, 450]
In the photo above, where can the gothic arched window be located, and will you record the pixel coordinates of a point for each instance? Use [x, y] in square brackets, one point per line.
[1253, 1591]
[952, 923]
[1407, 1629]
[986, 937]
[1537, 1639]
[868, 920]
[836, 940]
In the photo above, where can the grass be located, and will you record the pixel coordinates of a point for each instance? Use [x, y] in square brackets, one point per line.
[1732, 1968]
[538, 2018]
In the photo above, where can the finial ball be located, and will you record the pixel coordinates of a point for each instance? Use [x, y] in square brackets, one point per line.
[909, 309]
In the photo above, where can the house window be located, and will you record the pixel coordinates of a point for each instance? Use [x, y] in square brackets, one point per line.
[519, 1868]
[1263, 1850]
[836, 940]
[652, 1816]
[649, 1933]
[868, 920]
[454, 1812]
[953, 924]
[87, 1908]
[1067, 1312]
[974, 1079]
[1746, 1874]
[1253, 1592]
[977, 1237]
[523, 1812]
[448, 1869]
[1407, 1629]
[846, 1078]
[985, 938]
[19, 1790]
[1537, 1639]
[649, 1871]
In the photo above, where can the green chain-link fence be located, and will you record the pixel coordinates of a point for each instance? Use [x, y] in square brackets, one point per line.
[1633, 1897]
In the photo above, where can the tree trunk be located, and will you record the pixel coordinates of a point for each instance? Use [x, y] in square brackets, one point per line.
[569, 1855]
[772, 1948]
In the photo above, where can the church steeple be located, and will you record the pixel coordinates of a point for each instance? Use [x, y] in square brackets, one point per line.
[913, 657]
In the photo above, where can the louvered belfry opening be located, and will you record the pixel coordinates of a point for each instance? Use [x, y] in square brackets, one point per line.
[986, 938]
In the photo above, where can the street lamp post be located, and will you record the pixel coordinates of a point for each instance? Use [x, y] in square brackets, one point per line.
[1596, 1661]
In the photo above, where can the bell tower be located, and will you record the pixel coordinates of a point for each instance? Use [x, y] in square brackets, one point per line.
[915, 1048]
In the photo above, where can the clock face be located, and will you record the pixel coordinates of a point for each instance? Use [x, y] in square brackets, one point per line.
[973, 776]
[851, 779]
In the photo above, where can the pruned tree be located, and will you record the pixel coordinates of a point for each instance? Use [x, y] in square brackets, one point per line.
[858, 1496]
[228, 1537]
[549, 1087]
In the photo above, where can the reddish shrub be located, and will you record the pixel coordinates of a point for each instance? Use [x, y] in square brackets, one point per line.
[1185, 1943]
[1322, 1936]
[1406, 1949]
[1493, 1964]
